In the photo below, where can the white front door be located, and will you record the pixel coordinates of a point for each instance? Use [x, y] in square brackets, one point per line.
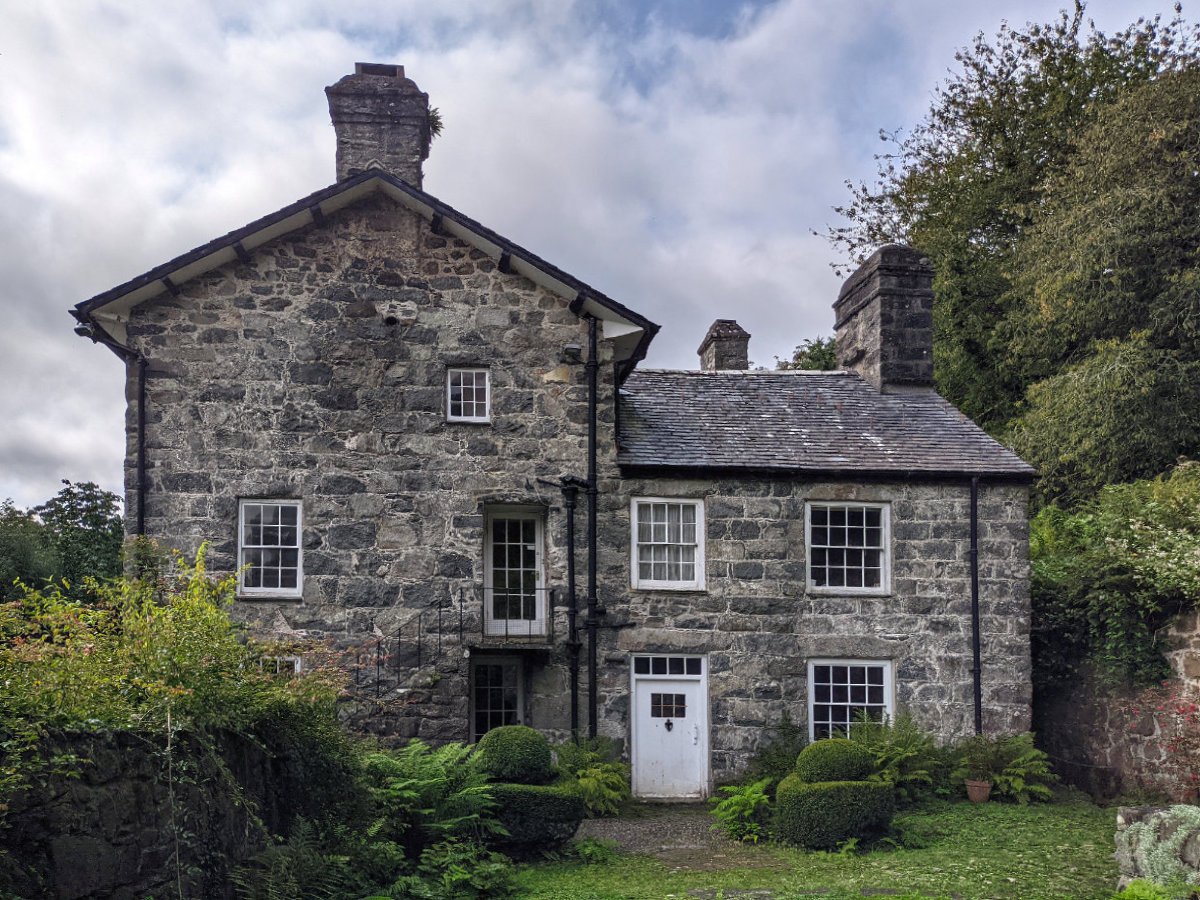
[670, 727]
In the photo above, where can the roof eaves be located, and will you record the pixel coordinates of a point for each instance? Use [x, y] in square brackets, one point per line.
[431, 207]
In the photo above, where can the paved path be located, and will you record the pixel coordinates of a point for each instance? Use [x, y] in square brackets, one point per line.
[679, 834]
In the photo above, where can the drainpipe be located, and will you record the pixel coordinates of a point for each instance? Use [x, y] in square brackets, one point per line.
[593, 608]
[976, 652]
[89, 329]
[570, 492]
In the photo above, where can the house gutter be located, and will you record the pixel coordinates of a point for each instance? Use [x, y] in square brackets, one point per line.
[88, 328]
[976, 651]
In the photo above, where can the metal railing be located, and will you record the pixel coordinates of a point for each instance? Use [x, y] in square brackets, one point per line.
[524, 614]
[422, 639]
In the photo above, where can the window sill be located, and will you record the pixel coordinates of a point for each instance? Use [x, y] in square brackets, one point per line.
[290, 598]
[847, 592]
[673, 588]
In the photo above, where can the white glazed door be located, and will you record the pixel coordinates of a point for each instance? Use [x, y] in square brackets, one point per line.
[670, 738]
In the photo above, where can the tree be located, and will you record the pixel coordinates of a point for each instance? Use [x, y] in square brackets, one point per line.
[87, 529]
[1126, 412]
[815, 354]
[967, 183]
[1114, 249]
[27, 550]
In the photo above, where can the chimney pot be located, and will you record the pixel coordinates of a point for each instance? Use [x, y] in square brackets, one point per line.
[725, 347]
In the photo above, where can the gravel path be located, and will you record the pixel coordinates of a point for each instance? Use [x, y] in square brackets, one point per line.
[680, 834]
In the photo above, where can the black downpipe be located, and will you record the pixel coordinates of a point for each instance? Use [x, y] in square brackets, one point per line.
[141, 446]
[977, 654]
[593, 366]
[570, 498]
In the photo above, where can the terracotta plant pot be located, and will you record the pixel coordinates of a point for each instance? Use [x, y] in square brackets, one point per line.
[978, 791]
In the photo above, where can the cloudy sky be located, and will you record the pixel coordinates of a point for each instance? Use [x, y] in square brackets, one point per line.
[676, 154]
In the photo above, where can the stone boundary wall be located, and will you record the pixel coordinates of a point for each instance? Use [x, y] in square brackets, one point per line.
[1110, 744]
[1158, 844]
[117, 830]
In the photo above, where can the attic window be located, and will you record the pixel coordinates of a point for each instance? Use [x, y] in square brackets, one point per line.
[468, 395]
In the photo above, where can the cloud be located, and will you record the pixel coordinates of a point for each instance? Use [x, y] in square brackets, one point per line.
[675, 154]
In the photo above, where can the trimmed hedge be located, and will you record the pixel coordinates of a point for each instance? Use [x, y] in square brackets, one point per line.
[517, 754]
[834, 759]
[821, 816]
[538, 818]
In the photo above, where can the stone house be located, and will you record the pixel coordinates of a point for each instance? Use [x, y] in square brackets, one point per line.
[421, 443]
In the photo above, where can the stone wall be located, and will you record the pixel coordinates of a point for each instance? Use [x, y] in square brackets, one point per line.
[1110, 741]
[124, 829]
[1158, 844]
[316, 371]
[759, 627]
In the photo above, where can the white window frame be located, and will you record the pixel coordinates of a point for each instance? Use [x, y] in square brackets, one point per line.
[271, 592]
[889, 686]
[515, 628]
[639, 583]
[487, 387]
[885, 562]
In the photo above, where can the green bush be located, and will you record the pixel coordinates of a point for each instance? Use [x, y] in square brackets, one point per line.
[743, 811]
[538, 818]
[454, 870]
[425, 795]
[516, 754]
[822, 815]
[905, 756]
[1017, 770]
[834, 759]
[594, 769]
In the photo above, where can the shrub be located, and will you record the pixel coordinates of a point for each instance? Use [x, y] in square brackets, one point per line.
[744, 811]
[516, 754]
[905, 756]
[776, 759]
[594, 852]
[456, 870]
[834, 759]
[425, 796]
[1017, 770]
[537, 818]
[593, 768]
[822, 815]
[1155, 846]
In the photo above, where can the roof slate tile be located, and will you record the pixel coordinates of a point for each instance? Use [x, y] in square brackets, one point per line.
[799, 421]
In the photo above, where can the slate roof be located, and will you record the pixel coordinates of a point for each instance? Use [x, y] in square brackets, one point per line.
[816, 422]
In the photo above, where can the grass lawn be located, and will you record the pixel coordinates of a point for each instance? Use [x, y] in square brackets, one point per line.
[1059, 851]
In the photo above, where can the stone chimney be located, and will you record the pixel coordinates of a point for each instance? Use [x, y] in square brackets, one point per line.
[883, 320]
[381, 120]
[725, 347]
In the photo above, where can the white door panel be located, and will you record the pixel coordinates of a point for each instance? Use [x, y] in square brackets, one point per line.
[670, 738]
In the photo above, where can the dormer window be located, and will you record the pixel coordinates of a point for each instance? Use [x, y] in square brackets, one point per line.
[468, 395]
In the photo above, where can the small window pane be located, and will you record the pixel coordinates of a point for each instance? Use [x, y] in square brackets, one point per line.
[675, 665]
[693, 665]
[658, 665]
[641, 665]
